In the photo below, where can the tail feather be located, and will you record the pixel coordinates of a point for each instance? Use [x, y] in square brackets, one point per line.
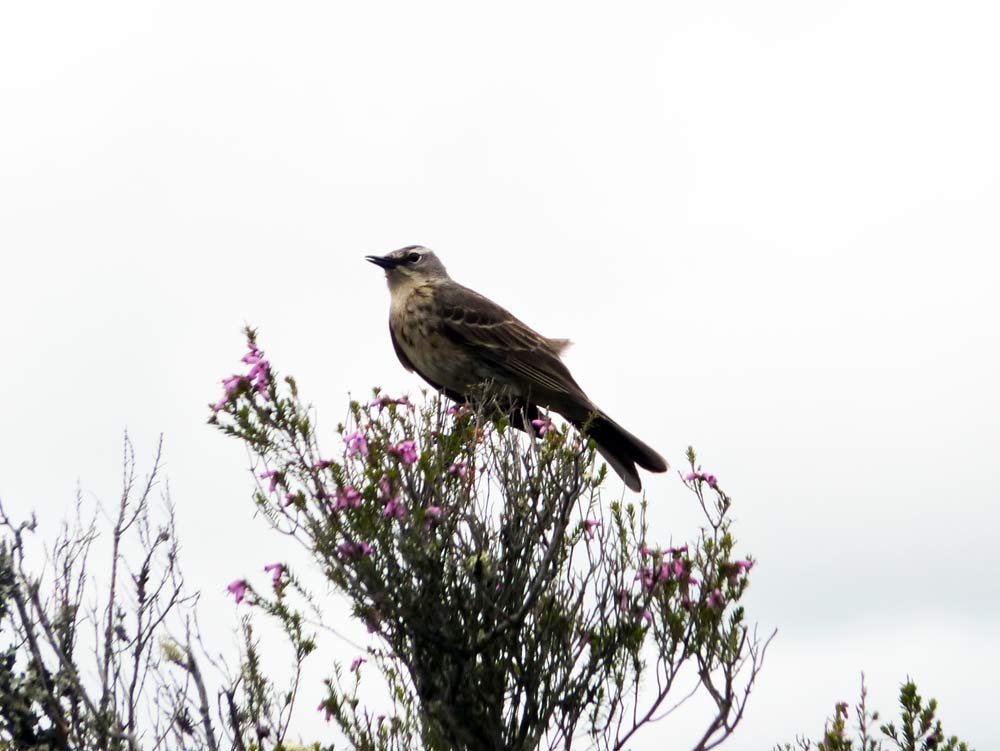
[622, 450]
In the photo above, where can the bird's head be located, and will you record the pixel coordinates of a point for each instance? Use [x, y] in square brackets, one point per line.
[409, 265]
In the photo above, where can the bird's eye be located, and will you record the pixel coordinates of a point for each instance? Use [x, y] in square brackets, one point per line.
[413, 258]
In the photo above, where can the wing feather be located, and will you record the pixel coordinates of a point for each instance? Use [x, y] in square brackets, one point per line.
[495, 334]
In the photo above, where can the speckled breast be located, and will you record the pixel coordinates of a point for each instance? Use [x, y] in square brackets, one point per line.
[418, 329]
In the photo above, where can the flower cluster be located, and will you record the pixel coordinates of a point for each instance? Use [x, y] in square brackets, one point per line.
[276, 570]
[699, 476]
[394, 509]
[737, 569]
[676, 569]
[672, 566]
[238, 589]
[354, 549]
[406, 451]
[349, 497]
[356, 443]
[385, 401]
[274, 477]
[715, 599]
[543, 425]
[257, 377]
[356, 663]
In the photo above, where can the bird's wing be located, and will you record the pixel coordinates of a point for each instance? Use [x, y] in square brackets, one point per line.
[495, 334]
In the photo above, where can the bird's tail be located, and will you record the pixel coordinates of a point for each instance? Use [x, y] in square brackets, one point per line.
[622, 450]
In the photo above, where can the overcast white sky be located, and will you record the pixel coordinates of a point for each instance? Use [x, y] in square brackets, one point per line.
[770, 228]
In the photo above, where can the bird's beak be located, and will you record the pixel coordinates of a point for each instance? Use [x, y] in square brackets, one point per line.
[384, 261]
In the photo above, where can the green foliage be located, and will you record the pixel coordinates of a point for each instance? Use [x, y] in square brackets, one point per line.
[918, 730]
[512, 607]
[46, 700]
[509, 605]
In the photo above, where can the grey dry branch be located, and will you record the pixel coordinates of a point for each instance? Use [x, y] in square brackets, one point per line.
[77, 713]
[510, 607]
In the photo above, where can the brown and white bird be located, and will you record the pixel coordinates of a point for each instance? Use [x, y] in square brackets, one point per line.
[456, 339]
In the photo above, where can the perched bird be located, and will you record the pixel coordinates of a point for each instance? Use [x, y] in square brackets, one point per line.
[455, 339]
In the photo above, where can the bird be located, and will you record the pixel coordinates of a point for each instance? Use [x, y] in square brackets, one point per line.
[456, 339]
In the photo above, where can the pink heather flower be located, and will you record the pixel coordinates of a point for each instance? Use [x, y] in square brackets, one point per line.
[349, 497]
[676, 551]
[229, 386]
[710, 480]
[272, 475]
[354, 549]
[715, 599]
[356, 444]
[289, 498]
[623, 601]
[253, 356]
[323, 708]
[459, 469]
[647, 616]
[322, 464]
[238, 589]
[434, 512]
[258, 375]
[394, 509]
[276, 570]
[385, 486]
[739, 567]
[356, 663]
[693, 582]
[674, 569]
[542, 426]
[592, 525]
[406, 451]
[645, 575]
[646, 551]
[384, 401]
